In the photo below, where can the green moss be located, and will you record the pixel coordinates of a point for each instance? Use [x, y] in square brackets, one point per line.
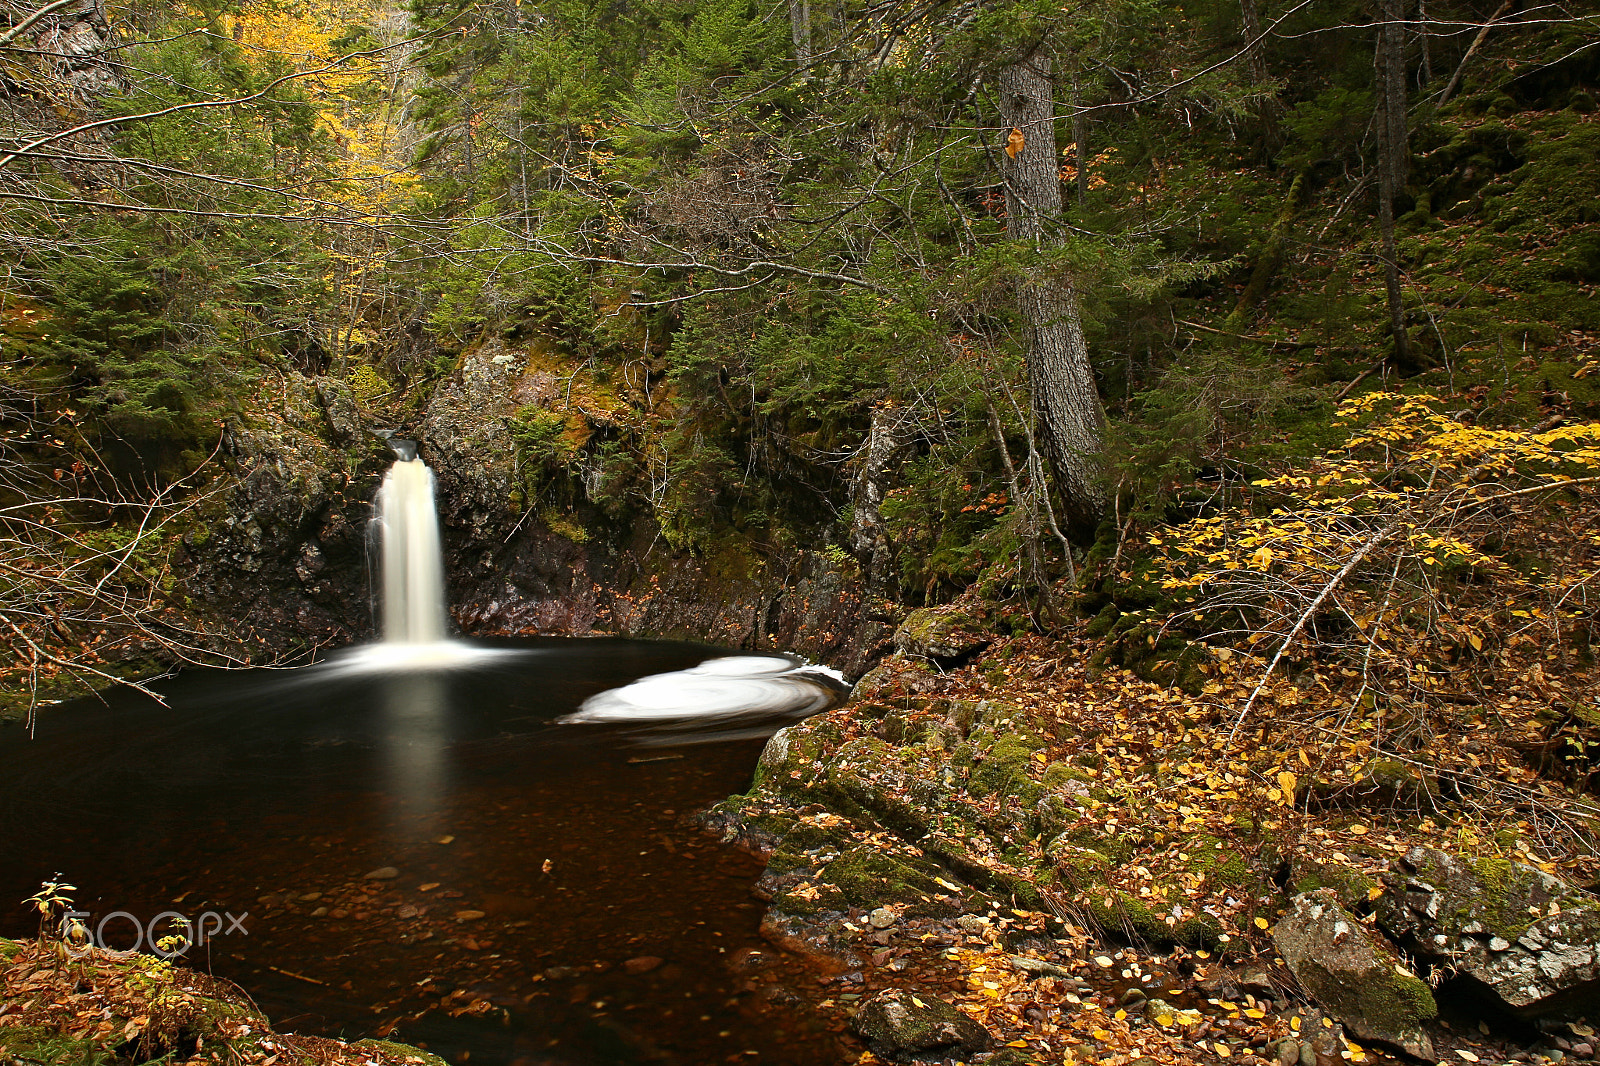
[867, 877]
[1058, 774]
[1392, 1003]
[388, 1049]
[1121, 914]
[38, 1044]
[1115, 846]
[1004, 771]
[1350, 886]
[1499, 880]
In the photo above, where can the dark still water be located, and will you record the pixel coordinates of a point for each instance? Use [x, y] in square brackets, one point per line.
[426, 852]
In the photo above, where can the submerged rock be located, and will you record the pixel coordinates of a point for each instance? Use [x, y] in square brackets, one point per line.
[906, 1028]
[1355, 974]
[1528, 937]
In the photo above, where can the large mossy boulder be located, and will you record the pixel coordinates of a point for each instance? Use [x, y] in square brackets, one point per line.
[1355, 974]
[942, 636]
[1528, 937]
[903, 1027]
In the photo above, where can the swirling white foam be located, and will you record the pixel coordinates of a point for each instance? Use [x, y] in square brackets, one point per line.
[736, 687]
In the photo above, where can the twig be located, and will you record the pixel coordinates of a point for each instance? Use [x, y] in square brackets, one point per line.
[1305, 616]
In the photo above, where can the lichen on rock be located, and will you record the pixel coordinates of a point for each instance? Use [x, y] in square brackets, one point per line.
[1530, 938]
[1354, 973]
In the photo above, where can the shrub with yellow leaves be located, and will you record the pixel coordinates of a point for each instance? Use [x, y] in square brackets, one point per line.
[1430, 564]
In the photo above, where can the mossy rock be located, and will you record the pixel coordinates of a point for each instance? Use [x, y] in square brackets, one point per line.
[1117, 847]
[1382, 783]
[941, 635]
[1003, 771]
[1355, 974]
[389, 1051]
[1222, 864]
[1350, 886]
[869, 877]
[1525, 935]
[1058, 775]
[1130, 918]
[1078, 868]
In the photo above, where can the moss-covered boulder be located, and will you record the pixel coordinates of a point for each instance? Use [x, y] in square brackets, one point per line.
[98, 1008]
[1355, 974]
[903, 1027]
[1531, 939]
[940, 635]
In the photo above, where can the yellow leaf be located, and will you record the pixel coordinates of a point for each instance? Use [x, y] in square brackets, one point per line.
[1262, 923]
[1287, 782]
[1373, 893]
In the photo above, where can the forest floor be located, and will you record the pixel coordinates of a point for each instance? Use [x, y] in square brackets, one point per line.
[95, 1008]
[1145, 938]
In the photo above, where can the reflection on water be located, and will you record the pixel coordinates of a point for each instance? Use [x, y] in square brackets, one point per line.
[431, 852]
[414, 748]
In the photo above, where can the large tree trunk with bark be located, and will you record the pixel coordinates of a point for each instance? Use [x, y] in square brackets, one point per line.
[1059, 376]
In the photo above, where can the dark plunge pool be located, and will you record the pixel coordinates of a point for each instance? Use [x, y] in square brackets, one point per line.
[426, 852]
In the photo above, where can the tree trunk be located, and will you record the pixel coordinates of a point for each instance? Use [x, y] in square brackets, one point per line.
[891, 430]
[1394, 159]
[800, 30]
[1255, 54]
[1059, 376]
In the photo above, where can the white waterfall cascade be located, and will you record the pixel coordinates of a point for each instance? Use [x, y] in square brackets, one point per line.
[413, 563]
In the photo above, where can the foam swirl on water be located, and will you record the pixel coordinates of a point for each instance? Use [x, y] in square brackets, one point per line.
[729, 691]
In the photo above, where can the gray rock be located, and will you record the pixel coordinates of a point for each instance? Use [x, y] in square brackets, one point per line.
[1528, 937]
[382, 873]
[339, 405]
[904, 1027]
[1354, 974]
[882, 918]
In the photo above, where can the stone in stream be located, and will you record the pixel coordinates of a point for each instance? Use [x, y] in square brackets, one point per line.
[382, 873]
[1530, 938]
[642, 964]
[903, 1027]
[1355, 974]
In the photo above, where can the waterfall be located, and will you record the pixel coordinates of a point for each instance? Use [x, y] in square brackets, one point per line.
[413, 565]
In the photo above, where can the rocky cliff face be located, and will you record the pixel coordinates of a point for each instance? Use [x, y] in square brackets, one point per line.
[278, 559]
